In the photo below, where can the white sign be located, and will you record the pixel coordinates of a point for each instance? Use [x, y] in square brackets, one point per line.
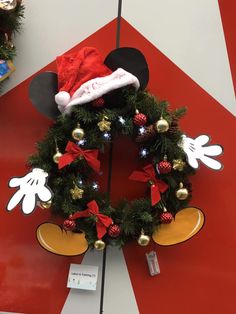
[82, 277]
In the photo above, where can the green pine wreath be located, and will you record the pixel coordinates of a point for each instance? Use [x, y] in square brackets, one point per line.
[155, 130]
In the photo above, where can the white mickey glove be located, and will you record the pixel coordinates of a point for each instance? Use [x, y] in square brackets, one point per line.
[195, 150]
[31, 188]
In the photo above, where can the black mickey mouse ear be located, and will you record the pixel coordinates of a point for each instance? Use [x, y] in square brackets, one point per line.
[42, 91]
[131, 60]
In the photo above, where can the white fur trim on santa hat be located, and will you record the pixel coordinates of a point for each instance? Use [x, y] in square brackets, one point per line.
[98, 87]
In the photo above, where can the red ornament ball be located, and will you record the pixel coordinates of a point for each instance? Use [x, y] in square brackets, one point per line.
[140, 119]
[114, 231]
[164, 167]
[69, 225]
[166, 218]
[99, 102]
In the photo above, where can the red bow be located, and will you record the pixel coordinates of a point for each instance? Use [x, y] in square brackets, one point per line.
[149, 175]
[74, 151]
[102, 222]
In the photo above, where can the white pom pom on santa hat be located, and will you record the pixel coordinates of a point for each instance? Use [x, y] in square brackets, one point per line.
[62, 98]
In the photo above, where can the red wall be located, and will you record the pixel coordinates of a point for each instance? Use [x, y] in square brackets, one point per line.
[197, 276]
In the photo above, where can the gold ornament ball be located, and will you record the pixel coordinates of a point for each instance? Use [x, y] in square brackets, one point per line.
[181, 193]
[143, 240]
[78, 133]
[46, 205]
[162, 125]
[8, 5]
[56, 157]
[99, 245]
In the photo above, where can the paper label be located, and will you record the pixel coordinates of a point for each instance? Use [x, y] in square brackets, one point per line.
[153, 265]
[82, 277]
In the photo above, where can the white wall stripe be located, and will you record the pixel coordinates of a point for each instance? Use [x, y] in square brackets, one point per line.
[118, 287]
[190, 34]
[83, 301]
[51, 28]
[119, 296]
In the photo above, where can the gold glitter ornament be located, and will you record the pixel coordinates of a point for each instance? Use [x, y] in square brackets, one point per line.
[178, 164]
[182, 193]
[46, 205]
[162, 125]
[76, 193]
[99, 245]
[8, 5]
[57, 156]
[143, 239]
[104, 125]
[78, 133]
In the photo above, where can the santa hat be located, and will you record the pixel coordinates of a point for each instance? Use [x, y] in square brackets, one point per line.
[83, 77]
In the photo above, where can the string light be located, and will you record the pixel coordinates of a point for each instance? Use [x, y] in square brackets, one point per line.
[142, 130]
[107, 136]
[121, 120]
[81, 142]
[80, 182]
[95, 186]
[143, 153]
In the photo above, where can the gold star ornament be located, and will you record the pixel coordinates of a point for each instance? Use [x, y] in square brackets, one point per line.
[178, 164]
[76, 193]
[104, 125]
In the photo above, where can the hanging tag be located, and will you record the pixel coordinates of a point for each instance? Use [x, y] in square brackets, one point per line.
[82, 277]
[153, 265]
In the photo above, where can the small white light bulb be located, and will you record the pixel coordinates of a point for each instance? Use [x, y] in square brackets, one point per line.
[121, 120]
[142, 130]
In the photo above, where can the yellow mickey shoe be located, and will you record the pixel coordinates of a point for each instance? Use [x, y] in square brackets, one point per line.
[56, 240]
[188, 222]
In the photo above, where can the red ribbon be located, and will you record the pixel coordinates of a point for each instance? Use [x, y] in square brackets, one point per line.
[149, 175]
[74, 151]
[103, 221]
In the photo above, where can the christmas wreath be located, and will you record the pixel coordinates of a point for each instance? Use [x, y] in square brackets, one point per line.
[97, 102]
